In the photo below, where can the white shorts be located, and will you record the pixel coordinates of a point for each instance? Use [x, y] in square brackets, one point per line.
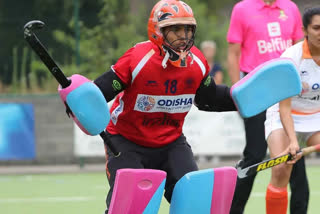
[304, 125]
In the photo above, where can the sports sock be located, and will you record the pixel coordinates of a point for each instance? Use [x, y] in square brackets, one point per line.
[276, 200]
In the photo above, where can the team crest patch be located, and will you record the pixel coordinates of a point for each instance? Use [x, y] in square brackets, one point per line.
[145, 103]
[283, 16]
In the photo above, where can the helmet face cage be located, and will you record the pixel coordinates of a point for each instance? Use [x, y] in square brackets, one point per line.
[189, 40]
[169, 13]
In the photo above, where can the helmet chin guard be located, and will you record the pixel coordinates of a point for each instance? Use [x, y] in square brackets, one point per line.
[175, 58]
[167, 13]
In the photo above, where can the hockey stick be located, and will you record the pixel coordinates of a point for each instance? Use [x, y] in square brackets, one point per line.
[251, 170]
[54, 69]
[40, 50]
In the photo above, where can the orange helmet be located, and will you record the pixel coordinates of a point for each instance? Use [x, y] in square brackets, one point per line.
[167, 13]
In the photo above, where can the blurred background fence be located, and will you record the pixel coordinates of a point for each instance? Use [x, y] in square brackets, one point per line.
[55, 139]
[53, 130]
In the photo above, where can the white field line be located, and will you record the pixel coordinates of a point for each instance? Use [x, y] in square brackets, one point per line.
[47, 199]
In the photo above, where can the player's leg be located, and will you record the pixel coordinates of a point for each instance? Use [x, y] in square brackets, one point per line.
[299, 188]
[277, 195]
[128, 158]
[299, 182]
[178, 160]
[314, 139]
[254, 152]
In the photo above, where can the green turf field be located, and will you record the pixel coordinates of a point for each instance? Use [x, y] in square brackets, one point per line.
[85, 193]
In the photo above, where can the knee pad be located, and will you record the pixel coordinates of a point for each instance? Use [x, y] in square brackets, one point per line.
[204, 191]
[137, 191]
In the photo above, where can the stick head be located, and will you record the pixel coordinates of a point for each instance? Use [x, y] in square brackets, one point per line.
[30, 26]
[242, 173]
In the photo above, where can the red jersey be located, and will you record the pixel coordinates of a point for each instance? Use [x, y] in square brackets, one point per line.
[152, 108]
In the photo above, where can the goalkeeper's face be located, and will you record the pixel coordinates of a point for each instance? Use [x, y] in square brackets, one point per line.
[179, 37]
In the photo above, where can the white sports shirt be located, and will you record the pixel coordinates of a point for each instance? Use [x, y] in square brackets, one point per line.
[306, 105]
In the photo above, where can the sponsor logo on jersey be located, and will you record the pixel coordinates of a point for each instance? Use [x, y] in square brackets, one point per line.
[306, 88]
[274, 29]
[304, 73]
[152, 83]
[315, 87]
[166, 120]
[316, 98]
[116, 85]
[170, 104]
[276, 43]
[208, 81]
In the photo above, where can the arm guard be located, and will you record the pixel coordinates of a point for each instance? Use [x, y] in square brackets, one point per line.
[212, 97]
[110, 84]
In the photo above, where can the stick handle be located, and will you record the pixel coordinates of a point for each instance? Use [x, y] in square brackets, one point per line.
[310, 149]
[54, 69]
